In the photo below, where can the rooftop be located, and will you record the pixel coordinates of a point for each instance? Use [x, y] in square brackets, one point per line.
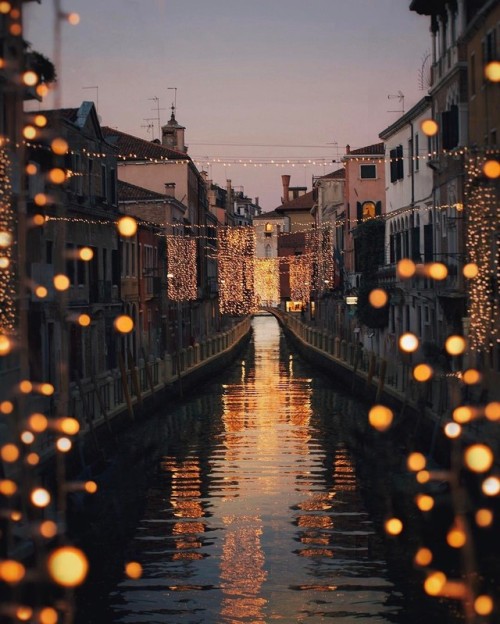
[134, 148]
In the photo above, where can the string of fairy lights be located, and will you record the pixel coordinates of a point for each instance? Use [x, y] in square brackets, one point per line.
[38, 513]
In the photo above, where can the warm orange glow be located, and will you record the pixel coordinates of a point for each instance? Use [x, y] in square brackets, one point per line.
[68, 566]
[9, 453]
[41, 292]
[452, 430]
[90, 487]
[416, 461]
[61, 282]
[24, 613]
[470, 270]
[393, 526]
[73, 19]
[40, 199]
[48, 615]
[11, 571]
[25, 386]
[6, 407]
[455, 345]
[30, 78]
[16, 516]
[491, 486]
[47, 389]
[8, 487]
[64, 445]
[40, 497]
[484, 518]
[124, 324]
[423, 557]
[423, 476]
[48, 529]
[15, 30]
[492, 71]
[4, 262]
[492, 411]
[406, 268]
[380, 417]
[463, 414]
[29, 132]
[57, 175]
[408, 342]
[434, 583]
[86, 253]
[5, 239]
[38, 219]
[491, 169]
[483, 605]
[437, 271]
[456, 537]
[429, 127]
[127, 226]
[478, 458]
[5, 345]
[133, 570]
[424, 502]
[59, 146]
[84, 320]
[5, 7]
[42, 90]
[69, 426]
[31, 169]
[40, 121]
[38, 422]
[33, 459]
[422, 372]
[378, 298]
[471, 376]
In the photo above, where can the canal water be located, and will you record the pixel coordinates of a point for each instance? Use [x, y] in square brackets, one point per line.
[245, 508]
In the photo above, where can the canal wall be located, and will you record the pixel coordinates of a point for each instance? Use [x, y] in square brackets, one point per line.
[104, 405]
[373, 379]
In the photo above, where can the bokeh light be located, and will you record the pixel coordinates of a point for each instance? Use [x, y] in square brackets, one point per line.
[424, 502]
[492, 71]
[406, 268]
[478, 457]
[484, 517]
[380, 417]
[423, 557]
[455, 345]
[408, 342]
[127, 226]
[40, 497]
[416, 461]
[378, 298]
[491, 169]
[124, 324]
[393, 526]
[452, 430]
[429, 127]
[491, 486]
[483, 605]
[68, 566]
[133, 570]
[422, 372]
[434, 583]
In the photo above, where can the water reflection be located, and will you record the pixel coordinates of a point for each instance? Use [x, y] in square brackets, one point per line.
[255, 513]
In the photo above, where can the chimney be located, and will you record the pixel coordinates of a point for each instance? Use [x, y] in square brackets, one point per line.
[348, 149]
[285, 179]
[256, 201]
[170, 189]
[229, 196]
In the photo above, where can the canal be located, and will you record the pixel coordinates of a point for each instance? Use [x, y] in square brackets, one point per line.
[245, 504]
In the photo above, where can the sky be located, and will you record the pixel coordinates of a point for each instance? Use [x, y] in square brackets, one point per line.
[256, 80]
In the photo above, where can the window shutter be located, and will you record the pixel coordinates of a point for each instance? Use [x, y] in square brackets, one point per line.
[359, 209]
[392, 257]
[415, 244]
[378, 208]
[393, 154]
[428, 244]
[449, 122]
[400, 163]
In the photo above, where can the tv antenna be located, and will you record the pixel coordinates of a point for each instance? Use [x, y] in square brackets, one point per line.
[157, 109]
[424, 73]
[401, 98]
[149, 126]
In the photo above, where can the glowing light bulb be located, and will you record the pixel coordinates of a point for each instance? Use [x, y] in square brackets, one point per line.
[84, 320]
[38, 422]
[48, 529]
[68, 566]
[483, 605]
[429, 127]
[484, 518]
[12, 571]
[492, 411]
[124, 324]
[491, 169]
[416, 461]
[424, 502]
[455, 345]
[9, 453]
[61, 282]
[5, 345]
[470, 270]
[30, 78]
[40, 497]
[456, 538]
[422, 372]
[408, 342]
[406, 268]
[48, 615]
[127, 226]
[434, 583]
[478, 457]
[86, 253]
[380, 417]
[378, 298]
[491, 486]
[90, 487]
[452, 430]
[423, 557]
[57, 175]
[471, 376]
[133, 570]
[437, 271]
[64, 445]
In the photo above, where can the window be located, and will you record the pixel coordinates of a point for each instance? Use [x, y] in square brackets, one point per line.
[112, 186]
[449, 127]
[91, 173]
[268, 251]
[104, 183]
[368, 172]
[397, 166]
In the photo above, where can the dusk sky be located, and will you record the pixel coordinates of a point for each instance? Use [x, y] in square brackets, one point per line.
[278, 78]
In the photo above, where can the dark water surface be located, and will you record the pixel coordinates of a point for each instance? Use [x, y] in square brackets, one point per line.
[245, 509]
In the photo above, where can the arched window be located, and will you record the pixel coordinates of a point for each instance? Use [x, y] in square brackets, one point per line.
[268, 251]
